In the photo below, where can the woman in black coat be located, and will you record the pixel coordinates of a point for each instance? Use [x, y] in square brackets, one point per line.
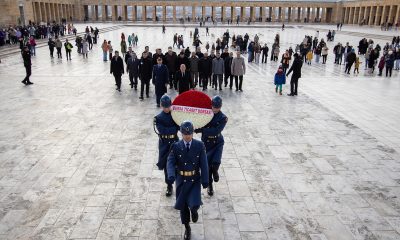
[117, 69]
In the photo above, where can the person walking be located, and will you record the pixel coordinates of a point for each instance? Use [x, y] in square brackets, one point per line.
[167, 136]
[145, 74]
[160, 79]
[85, 48]
[58, 47]
[381, 65]
[132, 67]
[218, 70]
[324, 53]
[264, 50]
[32, 44]
[104, 47]
[205, 70]
[194, 69]
[296, 68]
[285, 61]
[171, 61]
[228, 73]
[68, 49]
[185, 159]
[117, 69]
[185, 82]
[309, 57]
[123, 47]
[238, 69]
[26, 56]
[279, 80]
[110, 50]
[389, 63]
[52, 45]
[351, 58]
[357, 64]
[211, 136]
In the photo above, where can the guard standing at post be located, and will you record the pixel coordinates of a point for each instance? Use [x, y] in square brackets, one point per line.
[167, 133]
[187, 164]
[214, 141]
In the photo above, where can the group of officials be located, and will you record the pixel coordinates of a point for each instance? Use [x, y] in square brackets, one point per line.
[183, 72]
[189, 162]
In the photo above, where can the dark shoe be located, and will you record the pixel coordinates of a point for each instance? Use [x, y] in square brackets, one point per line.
[289, 94]
[24, 82]
[141, 98]
[210, 190]
[215, 173]
[147, 96]
[158, 105]
[187, 234]
[168, 193]
[29, 83]
[195, 216]
[295, 94]
[236, 90]
[220, 89]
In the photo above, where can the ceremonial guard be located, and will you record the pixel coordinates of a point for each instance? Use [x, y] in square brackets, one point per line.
[167, 133]
[187, 164]
[214, 141]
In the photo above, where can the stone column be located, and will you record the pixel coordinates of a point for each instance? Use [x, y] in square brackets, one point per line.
[233, 13]
[203, 12]
[272, 14]
[213, 12]
[298, 15]
[360, 14]
[366, 12]
[144, 13]
[104, 12]
[242, 14]
[125, 12]
[355, 15]
[290, 14]
[96, 12]
[323, 15]
[384, 14]
[174, 13]
[154, 13]
[283, 14]
[164, 13]
[377, 15]
[396, 19]
[262, 14]
[184, 12]
[114, 16]
[193, 13]
[223, 13]
[312, 14]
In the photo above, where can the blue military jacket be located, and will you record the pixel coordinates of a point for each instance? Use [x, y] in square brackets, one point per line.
[160, 78]
[168, 130]
[213, 139]
[188, 189]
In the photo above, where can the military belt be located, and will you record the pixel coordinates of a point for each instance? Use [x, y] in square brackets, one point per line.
[187, 173]
[168, 136]
[213, 137]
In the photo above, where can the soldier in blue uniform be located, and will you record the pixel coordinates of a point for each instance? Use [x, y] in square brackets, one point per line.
[187, 164]
[214, 141]
[167, 133]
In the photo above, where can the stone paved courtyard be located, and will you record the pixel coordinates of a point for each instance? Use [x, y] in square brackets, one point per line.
[78, 158]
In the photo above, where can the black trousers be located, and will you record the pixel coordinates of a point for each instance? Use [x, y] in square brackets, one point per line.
[264, 58]
[185, 213]
[51, 52]
[118, 80]
[238, 85]
[172, 82]
[348, 67]
[293, 85]
[68, 53]
[133, 80]
[143, 83]
[217, 81]
[59, 54]
[226, 76]
[28, 70]
[324, 58]
[389, 70]
[205, 79]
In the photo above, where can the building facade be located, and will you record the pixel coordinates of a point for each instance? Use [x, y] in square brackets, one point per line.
[368, 12]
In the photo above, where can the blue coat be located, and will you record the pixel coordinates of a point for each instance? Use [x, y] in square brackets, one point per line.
[160, 78]
[280, 78]
[165, 126]
[188, 189]
[213, 139]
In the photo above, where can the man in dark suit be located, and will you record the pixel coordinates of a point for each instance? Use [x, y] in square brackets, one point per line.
[184, 80]
[145, 74]
[160, 79]
[296, 68]
[117, 69]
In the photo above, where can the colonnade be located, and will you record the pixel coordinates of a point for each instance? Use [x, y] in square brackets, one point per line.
[371, 15]
[53, 11]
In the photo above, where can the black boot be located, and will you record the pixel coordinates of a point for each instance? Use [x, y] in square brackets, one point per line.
[210, 190]
[215, 173]
[168, 193]
[188, 233]
[195, 215]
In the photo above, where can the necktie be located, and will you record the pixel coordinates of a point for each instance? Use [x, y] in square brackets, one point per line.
[187, 147]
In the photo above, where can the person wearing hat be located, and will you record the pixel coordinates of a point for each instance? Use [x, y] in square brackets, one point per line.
[211, 135]
[296, 68]
[167, 133]
[187, 165]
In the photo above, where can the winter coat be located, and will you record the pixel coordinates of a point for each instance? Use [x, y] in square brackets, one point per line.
[324, 50]
[205, 66]
[218, 66]
[117, 66]
[389, 60]
[296, 68]
[170, 61]
[238, 67]
[381, 64]
[194, 64]
[85, 47]
[228, 64]
[280, 78]
[133, 66]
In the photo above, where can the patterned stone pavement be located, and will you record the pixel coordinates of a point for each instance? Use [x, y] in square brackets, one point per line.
[78, 158]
